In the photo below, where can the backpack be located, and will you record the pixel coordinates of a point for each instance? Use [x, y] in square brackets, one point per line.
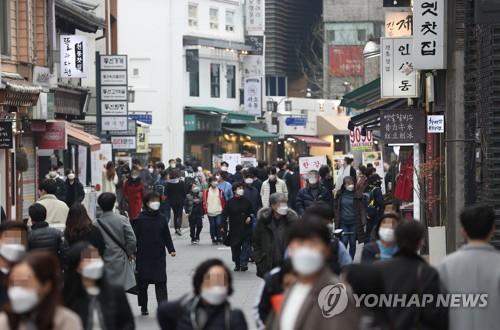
[371, 204]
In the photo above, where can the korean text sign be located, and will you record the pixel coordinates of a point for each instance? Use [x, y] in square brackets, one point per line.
[399, 78]
[74, 56]
[429, 35]
[307, 164]
[253, 96]
[402, 126]
[360, 142]
[398, 24]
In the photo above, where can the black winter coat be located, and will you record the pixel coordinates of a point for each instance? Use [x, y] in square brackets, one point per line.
[359, 209]
[177, 315]
[253, 195]
[74, 193]
[235, 212]
[263, 241]
[94, 237]
[44, 237]
[176, 193]
[371, 253]
[292, 180]
[407, 273]
[61, 189]
[193, 205]
[153, 236]
[305, 198]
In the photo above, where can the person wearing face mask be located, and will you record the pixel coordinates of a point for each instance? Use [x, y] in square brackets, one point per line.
[223, 185]
[384, 247]
[350, 215]
[57, 210]
[74, 189]
[193, 207]
[13, 237]
[213, 204]
[60, 184]
[292, 180]
[251, 193]
[98, 303]
[326, 179]
[153, 237]
[133, 192]
[109, 178]
[79, 227]
[237, 224]
[312, 193]
[375, 199]
[34, 290]
[271, 233]
[144, 174]
[346, 170]
[176, 195]
[208, 307]
[237, 176]
[308, 249]
[272, 185]
[224, 167]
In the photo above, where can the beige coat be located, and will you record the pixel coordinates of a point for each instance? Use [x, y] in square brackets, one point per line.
[265, 191]
[57, 211]
[64, 319]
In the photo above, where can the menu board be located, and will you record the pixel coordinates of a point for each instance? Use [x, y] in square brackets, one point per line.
[402, 126]
[5, 135]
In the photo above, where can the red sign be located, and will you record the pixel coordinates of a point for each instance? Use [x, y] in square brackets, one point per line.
[346, 61]
[54, 136]
[360, 142]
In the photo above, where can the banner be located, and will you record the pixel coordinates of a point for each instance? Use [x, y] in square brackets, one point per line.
[399, 79]
[142, 140]
[402, 126]
[360, 142]
[232, 160]
[429, 35]
[375, 158]
[346, 61]
[253, 96]
[307, 164]
[74, 56]
[254, 14]
[54, 136]
[6, 136]
[82, 165]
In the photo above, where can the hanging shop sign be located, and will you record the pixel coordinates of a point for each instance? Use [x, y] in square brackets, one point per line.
[114, 93]
[41, 76]
[398, 24]
[399, 78]
[54, 136]
[402, 126]
[435, 124]
[296, 121]
[74, 56]
[142, 140]
[114, 108]
[429, 40]
[346, 61]
[124, 142]
[257, 44]
[254, 14]
[113, 78]
[6, 135]
[253, 66]
[253, 96]
[114, 124]
[360, 142]
[146, 118]
[113, 62]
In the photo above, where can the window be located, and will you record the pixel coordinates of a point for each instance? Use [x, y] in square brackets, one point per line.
[214, 18]
[330, 36]
[193, 15]
[4, 27]
[215, 80]
[276, 86]
[135, 72]
[362, 35]
[230, 21]
[193, 67]
[231, 81]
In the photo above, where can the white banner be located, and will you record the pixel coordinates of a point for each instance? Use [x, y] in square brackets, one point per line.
[232, 160]
[123, 142]
[82, 165]
[398, 23]
[254, 13]
[307, 164]
[429, 35]
[253, 66]
[253, 96]
[399, 79]
[95, 168]
[435, 124]
[74, 56]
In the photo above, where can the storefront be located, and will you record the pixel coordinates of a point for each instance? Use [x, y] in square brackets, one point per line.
[249, 141]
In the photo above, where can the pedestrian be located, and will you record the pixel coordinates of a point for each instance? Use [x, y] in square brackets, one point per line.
[309, 247]
[146, 177]
[384, 247]
[262, 170]
[346, 170]
[224, 166]
[213, 205]
[391, 206]
[178, 164]
[271, 233]
[251, 193]
[375, 202]
[350, 215]
[87, 292]
[474, 268]
[339, 256]
[408, 274]
[153, 236]
[312, 193]
[176, 195]
[120, 242]
[237, 220]
[326, 180]
[237, 177]
[257, 183]
[292, 180]
[172, 165]
[223, 185]
[41, 235]
[57, 210]
[74, 192]
[272, 185]
[13, 240]
[79, 227]
[34, 289]
[362, 179]
[53, 174]
[109, 178]
[208, 308]
[133, 193]
[161, 189]
[193, 207]
[123, 173]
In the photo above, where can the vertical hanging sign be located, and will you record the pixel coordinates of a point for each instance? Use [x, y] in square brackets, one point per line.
[74, 56]
[254, 10]
[398, 76]
[429, 39]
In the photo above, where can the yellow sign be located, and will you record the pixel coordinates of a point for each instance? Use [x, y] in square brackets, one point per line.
[142, 140]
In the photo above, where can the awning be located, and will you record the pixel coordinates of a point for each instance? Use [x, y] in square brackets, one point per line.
[255, 133]
[332, 124]
[70, 101]
[231, 115]
[312, 141]
[361, 97]
[17, 91]
[215, 43]
[79, 136]
[72, 16]
[371, 118]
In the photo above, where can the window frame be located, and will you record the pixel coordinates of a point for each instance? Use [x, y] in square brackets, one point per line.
[230, 27]
[193, 21]
[215, 80]
[213, 21]
[5, 42]
[231, 92]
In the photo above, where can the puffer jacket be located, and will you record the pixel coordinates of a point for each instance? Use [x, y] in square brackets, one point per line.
[44, 237]
[305, 198]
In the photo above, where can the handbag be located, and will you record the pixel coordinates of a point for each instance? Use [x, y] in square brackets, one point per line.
[131, 266]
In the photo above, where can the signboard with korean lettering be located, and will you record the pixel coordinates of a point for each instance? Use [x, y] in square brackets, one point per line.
[398, 24]
[429, 35]
[74, 56]
[253, 66]
[402, 126]
[114, 108]
[346, 61]
[109, 124]
[253, 96]
[142, 140]
[115, 93]
[360, 142]
[54, 137]
[307, 164]
[123, 142]
[6, 135]
[435, 124]
[399, 79]
[254, 15]
[113, 62]
[113, 78]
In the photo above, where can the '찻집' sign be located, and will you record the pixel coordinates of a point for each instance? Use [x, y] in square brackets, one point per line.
[398, 76]
[5, 135]
[402, 126]
[435, 124]
[429, 34]
[398, 24]
[74, 53]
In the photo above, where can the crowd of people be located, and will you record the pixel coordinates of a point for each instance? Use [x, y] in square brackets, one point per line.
[64, 270]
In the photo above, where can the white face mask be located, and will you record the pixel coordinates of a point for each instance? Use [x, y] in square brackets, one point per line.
[313, 180]
[52, 174]
[248, 180]
[214, 295]
[134, 176]
[93, 270]
[173, 165]
[200, 169]
[307, 261]
[22, 299]
[350, 187]
[272, 177]
[12, 252]
[240, 192]
[71, 176]
[151, 170]
[155, 206]
[282, 210]
[223, 168]
[386, 234]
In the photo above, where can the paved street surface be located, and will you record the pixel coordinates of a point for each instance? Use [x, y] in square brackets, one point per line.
[179, 276]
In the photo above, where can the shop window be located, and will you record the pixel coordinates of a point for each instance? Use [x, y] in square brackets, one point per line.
[193, 15]
[4, 27]
[214, 18]
[276, 86]
[362, 35]
[215, 80]
[231, 81]
[193, 67]
[230, 21]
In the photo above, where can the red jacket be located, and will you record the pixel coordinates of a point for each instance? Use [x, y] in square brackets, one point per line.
[133, 194]
[205, 197]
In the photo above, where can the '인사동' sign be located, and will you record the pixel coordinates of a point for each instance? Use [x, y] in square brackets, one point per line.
[74, 56]
[398, 75]
[429, 34]
[402, 126]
